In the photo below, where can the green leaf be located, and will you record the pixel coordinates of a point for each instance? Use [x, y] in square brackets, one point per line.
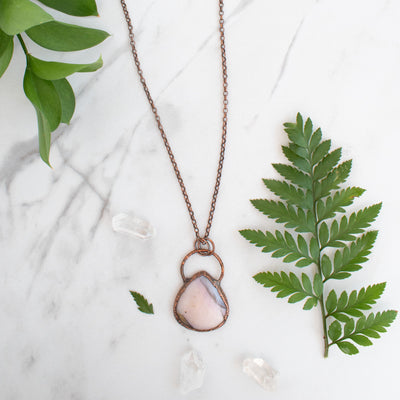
[286, 214]
[323, 234]
[298, 161]
[315, 139]
[348, 327]
[320, 152]
[142, 303]
[51, 70]
[318, 285]
[79, 8]
[67, 99]
[44, 97]
[310, 196]
[295, 132]
[334, 204]
[332, 181]
[356, 302]
[285, 285]
[308, 127]
[324, 167]
[331, 301]
[16, 16]
[280, 245]
[314, 248]
[44, 133]
[347, 348]
[334, 331]
[6, 51]
[59, 36]
[294, 175]
[290, 193]
[310, 303]
[357, 223]
[326, 266]
[361, 340]
[366, 327]
[351, 258]
[306, 283]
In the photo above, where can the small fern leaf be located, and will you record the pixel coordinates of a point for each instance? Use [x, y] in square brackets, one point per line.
[351, 257]
[332, 181]
[324, 167]
[286, 214]
[290, 193]
[298, 160]
[365, 327]
[335, 203]
[142, 303]
[320, 152]
[281, 245]
[294, 175]
[354, 304]
[287, 285]
[349, 227]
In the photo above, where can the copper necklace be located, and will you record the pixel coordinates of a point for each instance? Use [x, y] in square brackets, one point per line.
[200, 304]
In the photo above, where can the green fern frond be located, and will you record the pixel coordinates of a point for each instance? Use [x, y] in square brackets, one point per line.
[313, 203]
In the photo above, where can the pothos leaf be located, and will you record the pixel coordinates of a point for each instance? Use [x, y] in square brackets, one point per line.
[79, 8]
[6, 51]
[44, 97]
[60, 36]
[142, 303]
[44, 137]
[51, 70]
[18, 15]
[67, 99]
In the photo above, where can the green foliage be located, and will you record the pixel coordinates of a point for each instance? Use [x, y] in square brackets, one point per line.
[79, 8]
[142, 303]
[312, 203]
[59, 36]
[6, 51]
[44, 82]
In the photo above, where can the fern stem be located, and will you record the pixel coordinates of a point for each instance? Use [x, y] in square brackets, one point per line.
[321, 298]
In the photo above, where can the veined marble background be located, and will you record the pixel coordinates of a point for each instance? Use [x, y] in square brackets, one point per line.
[68, 326]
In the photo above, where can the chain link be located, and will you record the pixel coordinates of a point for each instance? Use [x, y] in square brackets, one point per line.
[203, 240]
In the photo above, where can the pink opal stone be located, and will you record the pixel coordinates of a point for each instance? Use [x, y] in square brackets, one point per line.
[201, 305]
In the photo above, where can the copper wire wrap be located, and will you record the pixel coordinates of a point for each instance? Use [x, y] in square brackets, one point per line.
[201, 242]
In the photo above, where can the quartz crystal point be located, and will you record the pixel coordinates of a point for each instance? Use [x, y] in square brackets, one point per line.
[261, 372]
[132, 225]
[192, 372]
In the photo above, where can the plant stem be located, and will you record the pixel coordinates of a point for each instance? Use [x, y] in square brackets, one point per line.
[321, 298]
[22, 44]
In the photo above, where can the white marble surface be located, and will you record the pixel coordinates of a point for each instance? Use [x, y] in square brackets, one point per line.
[68, 327]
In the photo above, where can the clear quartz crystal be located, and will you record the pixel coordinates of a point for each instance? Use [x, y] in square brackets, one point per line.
[132, 225]
[192, 372]
[261, 372]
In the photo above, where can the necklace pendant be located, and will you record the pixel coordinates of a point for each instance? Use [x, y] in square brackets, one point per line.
[201, 304]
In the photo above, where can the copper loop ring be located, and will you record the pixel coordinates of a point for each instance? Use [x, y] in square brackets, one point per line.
[202, 252]
[206, 246]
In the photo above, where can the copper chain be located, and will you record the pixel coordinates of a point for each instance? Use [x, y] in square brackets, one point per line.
[199, 240]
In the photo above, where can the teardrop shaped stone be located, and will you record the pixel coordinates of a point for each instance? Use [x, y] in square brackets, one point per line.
[201, 305]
